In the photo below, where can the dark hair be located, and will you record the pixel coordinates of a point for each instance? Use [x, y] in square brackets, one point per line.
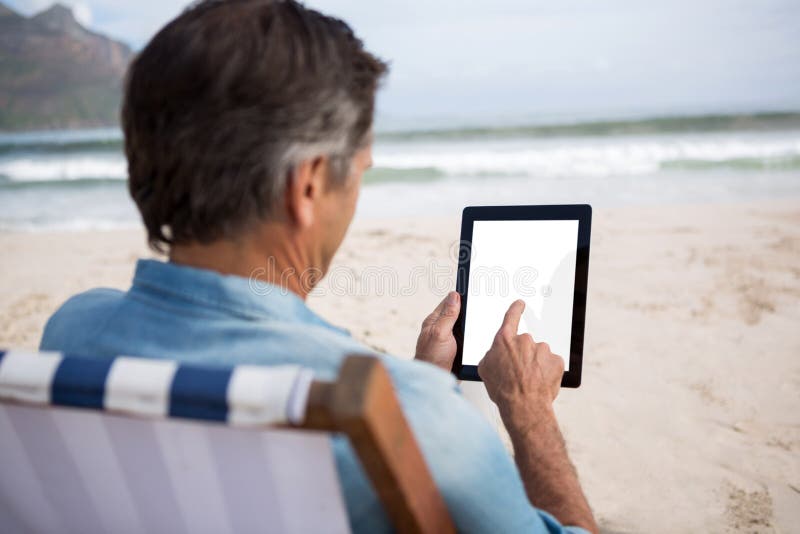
[227, 99]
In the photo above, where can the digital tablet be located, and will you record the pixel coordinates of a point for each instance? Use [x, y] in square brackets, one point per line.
[539, 254]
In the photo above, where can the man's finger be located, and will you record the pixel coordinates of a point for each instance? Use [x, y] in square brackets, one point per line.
[449, 313]
[511, 320]
[440, 309]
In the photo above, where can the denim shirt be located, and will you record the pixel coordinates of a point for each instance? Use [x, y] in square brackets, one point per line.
[200, 316]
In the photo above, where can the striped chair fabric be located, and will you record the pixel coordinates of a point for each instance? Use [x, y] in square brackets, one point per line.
[141, 445]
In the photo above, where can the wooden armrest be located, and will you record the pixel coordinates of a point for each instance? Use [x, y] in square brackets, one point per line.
[362, 404]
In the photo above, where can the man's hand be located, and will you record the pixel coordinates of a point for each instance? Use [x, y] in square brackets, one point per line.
[523, 378]
[517, 371]
[436, 343]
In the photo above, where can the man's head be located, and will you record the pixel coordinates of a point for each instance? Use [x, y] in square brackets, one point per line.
[244, 112]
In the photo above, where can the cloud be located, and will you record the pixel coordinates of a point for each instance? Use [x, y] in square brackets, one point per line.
[82, 13]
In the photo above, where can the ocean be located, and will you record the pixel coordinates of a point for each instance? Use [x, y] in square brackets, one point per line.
[75, 180]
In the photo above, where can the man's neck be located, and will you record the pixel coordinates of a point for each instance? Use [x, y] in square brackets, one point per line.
[276, 261]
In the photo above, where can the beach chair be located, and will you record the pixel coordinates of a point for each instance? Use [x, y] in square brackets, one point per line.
[141, 445]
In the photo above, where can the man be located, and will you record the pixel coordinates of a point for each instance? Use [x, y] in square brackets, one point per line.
[247, 130]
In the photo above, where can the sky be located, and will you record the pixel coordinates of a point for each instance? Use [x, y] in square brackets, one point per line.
[527, 61]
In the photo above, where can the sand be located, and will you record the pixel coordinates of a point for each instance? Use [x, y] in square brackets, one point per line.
[688, 419]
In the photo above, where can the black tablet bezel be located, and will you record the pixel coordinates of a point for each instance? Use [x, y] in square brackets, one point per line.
[580, 212]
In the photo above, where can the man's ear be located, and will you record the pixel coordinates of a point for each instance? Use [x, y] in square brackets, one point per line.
[304, 187]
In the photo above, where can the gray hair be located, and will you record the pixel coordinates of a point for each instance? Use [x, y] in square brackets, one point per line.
[227, 100]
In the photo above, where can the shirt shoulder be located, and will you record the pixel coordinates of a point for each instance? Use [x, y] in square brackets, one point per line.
[89, 310]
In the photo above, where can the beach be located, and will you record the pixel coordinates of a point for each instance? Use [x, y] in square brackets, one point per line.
[687, 419]
[676, 125]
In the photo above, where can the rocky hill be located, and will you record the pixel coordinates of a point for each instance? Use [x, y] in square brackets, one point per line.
[54, 73]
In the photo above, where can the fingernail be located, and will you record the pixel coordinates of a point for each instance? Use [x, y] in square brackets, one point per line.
[452, 298]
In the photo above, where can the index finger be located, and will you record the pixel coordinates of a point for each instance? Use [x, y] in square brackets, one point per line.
[512, 317]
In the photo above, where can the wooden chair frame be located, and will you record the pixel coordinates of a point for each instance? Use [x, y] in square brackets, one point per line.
[362, 404]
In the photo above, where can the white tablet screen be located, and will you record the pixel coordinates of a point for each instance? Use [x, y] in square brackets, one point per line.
[529, 260]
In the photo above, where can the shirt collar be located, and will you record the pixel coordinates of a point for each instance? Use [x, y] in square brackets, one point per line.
[233, 295]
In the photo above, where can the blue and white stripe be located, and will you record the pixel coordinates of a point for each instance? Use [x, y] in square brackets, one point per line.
[91, 471]
[245, 396]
